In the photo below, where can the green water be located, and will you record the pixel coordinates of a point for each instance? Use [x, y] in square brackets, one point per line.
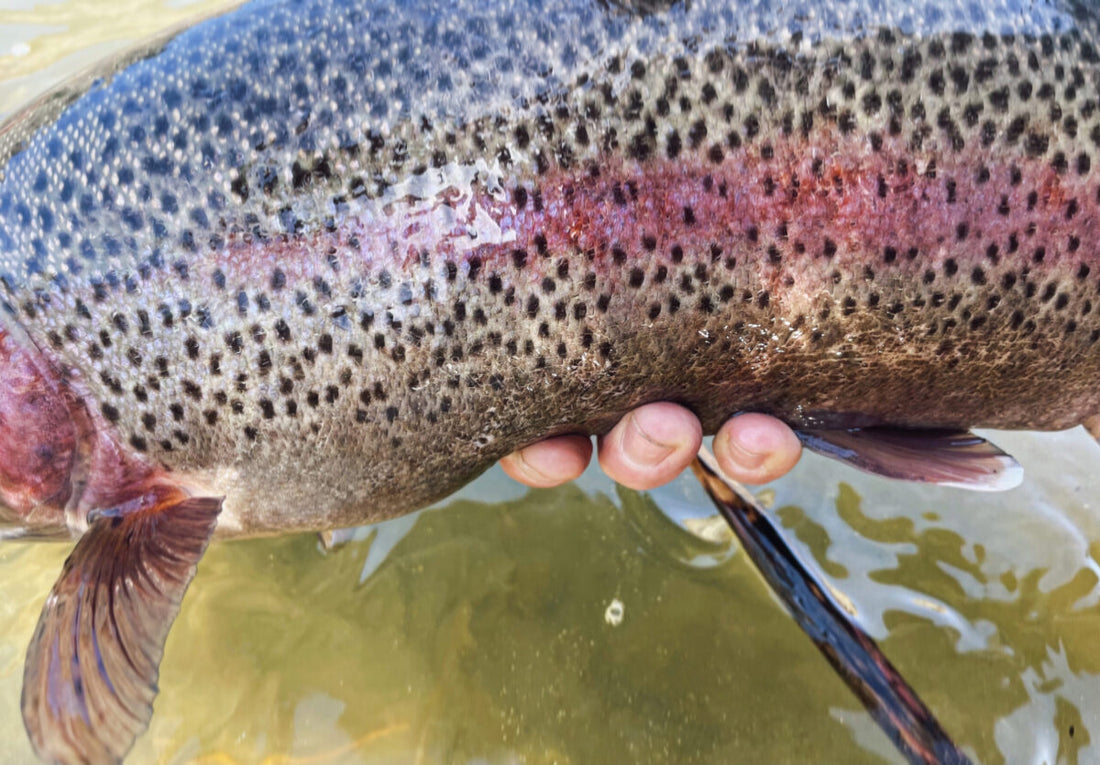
[478, 632]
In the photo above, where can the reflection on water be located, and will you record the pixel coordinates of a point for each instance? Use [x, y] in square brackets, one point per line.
[477, 633]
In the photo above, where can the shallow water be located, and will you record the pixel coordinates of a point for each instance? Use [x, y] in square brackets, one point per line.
[478, 632]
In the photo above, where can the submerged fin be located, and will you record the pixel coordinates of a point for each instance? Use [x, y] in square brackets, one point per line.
[92, 664]
[946, 457]
[334, 538]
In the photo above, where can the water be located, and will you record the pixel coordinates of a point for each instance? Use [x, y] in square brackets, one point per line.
[479, 632]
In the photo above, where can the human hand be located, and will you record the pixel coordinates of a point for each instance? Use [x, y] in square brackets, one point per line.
[652, 444]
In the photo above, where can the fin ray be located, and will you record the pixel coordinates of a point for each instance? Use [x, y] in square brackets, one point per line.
[92, 665]
[946, 457]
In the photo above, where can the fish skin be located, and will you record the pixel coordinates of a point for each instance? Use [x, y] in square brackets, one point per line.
[315, 263]
[331, 263]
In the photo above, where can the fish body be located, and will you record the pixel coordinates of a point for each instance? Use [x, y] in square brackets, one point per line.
[302, 244]
[326, 261]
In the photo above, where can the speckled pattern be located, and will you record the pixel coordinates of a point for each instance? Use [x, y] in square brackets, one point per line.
[332, 259]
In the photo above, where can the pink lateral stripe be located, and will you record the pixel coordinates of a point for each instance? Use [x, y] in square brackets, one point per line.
[827, 199]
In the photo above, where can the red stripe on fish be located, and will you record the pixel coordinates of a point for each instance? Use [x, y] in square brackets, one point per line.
[790, 213]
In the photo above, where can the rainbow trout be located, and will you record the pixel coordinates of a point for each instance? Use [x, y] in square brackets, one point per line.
[316, 263]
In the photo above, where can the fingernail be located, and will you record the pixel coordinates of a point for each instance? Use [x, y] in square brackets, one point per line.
[745, 457]
[640, 445]
[530, 469]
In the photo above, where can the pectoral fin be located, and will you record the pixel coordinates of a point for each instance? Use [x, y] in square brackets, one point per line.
[92, 665]
[946, 457]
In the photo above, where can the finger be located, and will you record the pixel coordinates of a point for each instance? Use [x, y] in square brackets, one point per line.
[651, 445]
[756, 448]
[549, 463]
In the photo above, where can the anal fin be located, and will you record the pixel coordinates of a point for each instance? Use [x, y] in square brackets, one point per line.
[947, 457]
[92, 665]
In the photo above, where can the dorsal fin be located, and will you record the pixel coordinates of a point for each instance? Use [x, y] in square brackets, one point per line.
[92, 665]
[946, 457]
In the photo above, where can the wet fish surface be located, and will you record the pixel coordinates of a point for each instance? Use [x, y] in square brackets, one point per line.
[317, 263]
